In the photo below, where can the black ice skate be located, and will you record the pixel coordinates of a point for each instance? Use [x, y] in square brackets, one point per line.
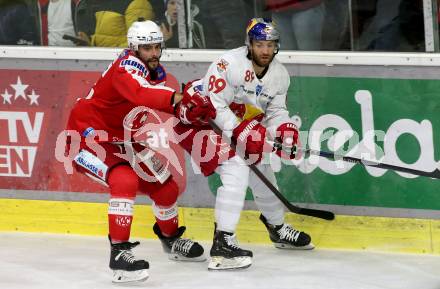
[180, 249]
[226, 253]
[124, 265]
[286, 237]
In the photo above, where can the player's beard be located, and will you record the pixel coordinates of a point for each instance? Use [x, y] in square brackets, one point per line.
[152, 63]
[262, 62]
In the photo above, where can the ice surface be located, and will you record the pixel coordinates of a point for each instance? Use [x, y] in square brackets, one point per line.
[46, 261]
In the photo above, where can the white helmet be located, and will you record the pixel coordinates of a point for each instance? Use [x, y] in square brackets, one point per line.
[143, 32]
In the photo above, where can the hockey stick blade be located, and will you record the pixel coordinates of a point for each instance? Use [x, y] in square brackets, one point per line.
[326, 215]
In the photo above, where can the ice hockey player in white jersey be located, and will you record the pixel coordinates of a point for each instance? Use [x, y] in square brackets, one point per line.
[248, 88]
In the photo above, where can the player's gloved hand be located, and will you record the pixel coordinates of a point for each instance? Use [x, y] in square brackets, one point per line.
[239, 109]
[194, 108]
[286, 140]
[249, 136]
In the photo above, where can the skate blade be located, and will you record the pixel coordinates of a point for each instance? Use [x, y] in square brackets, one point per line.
[218, 263]
[292, 247]
[177, 257]
[121, 276]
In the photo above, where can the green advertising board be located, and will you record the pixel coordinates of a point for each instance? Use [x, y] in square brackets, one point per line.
[396, 121]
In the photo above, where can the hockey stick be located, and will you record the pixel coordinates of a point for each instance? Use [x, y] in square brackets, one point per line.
[435, 174]
[294, 209]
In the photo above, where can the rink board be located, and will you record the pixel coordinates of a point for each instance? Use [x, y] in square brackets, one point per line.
[393, 93]
[407, 235]
[392, 212]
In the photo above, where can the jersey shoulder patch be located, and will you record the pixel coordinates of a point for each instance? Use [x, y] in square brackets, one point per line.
[222, 65]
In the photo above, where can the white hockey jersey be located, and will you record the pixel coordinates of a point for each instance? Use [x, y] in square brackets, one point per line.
[231, 79]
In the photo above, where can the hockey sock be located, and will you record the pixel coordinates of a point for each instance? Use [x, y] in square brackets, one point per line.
[123, 183]
[120, 217]
[166, 218]
[165, 207]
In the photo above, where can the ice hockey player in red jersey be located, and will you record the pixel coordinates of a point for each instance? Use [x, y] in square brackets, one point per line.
[120, 101]
[248, 87]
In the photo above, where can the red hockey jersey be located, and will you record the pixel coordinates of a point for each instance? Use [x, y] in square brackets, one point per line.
[126, 84]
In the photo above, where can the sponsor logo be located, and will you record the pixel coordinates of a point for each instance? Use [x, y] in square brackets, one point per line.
[165, 213]
[91, 167]
[247, 91]
[140, 68]
[258, 89]
[89, 162]
[120, 207]
[151, 38]
[20, 129]
[123, 221]
[371, 145]
[268, 29]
